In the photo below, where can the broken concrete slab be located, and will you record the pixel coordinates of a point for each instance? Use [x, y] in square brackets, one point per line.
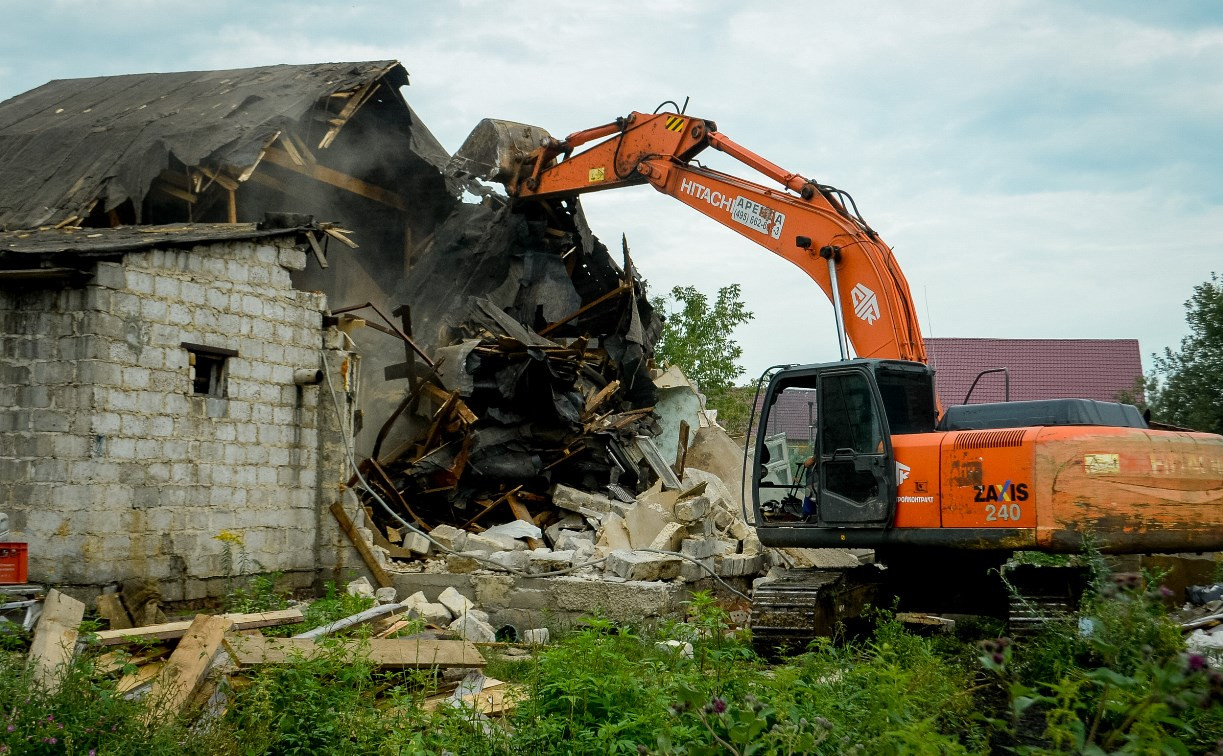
[385, 595]
[471, 628]
[454, 601]
[692, 571]
[643, 565]
[481, 542]
[450, 537]
[435, 614]
[738, 565]
[693, 508]
[540, 561]
[515, 561]
[583, 502]
[417, 543]
[361, 587]
[703, 548]
[570, 522]
[669, 537]
[614, 535]
[517, 529]
[644, 522]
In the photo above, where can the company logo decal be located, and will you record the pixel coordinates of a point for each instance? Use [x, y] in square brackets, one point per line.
[866, 304]
[1004, 492]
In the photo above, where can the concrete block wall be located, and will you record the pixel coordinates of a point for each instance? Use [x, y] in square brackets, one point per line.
[111, 467]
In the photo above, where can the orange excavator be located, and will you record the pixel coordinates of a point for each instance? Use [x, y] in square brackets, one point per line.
[857, 453]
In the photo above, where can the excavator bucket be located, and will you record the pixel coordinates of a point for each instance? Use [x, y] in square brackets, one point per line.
[497, 150]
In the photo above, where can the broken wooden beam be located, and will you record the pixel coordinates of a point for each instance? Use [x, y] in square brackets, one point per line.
[363, 546]
[391, 653]
[184, 670]
[172, 630]
[54, 641]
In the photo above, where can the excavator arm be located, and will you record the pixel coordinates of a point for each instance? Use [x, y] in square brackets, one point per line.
[804, 222]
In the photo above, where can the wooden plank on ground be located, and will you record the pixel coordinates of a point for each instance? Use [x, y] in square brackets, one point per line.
[363, 547]
[497, 699]
[141, 676]
[55, 639]
[396, 653]
[185, 668]
[172, 630]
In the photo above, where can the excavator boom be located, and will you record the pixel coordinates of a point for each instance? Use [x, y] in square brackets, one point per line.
[804, 222]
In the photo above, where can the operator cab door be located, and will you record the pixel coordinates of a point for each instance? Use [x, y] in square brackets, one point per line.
[855, 463]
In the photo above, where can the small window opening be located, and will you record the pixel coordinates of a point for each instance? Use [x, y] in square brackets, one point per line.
[207, 366]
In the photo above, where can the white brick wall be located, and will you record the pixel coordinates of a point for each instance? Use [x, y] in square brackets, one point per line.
[111, 468]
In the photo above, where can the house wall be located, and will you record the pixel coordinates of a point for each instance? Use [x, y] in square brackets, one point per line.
[111, 468]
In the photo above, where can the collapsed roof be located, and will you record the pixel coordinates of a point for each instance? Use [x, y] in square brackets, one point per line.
[98, 151]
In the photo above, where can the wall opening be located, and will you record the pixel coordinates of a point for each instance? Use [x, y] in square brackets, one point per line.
[208, 369]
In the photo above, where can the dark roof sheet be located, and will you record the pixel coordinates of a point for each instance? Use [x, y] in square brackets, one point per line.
[72, 143]
[22, 248]
[1039, 368]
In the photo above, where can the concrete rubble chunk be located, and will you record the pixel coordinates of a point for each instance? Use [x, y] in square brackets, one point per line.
[570, 522]
[668, 538]
[538, 636]
[702, 548]
[546, 560]
[415, 602]
[644, 522]
[572, 539]
[478, 614]
[515, 529]
[692, 508]
[468, 627]
[481, 542]
[737, 565]
[468, 561]
[417, 543]
[435, 614]
[701, 569]
[454, 601]
[642, 565]
[751, 545]
[683, 649]
[614, 535]
[515, 561]
[361, 587]
[385, 595]
[584, 502]
[450, 537]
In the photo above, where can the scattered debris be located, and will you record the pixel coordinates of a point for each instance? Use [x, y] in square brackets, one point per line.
[55, 639]
[393, 653]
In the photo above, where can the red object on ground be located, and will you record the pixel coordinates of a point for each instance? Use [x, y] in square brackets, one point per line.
[14, 563]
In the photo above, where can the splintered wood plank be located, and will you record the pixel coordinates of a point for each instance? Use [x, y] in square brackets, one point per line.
[172, 630]
[113, 661]
[496, 699]
[143, 675]
[185, 668]
[55, 639]
[363, 547]
[394, 653]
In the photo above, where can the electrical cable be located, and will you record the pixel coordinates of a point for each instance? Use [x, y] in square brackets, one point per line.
[348, 451]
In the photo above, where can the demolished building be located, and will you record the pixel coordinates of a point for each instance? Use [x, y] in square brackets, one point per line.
[229, 296]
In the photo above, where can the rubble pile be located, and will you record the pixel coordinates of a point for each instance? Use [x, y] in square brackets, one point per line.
[1202, 618]
[528, 438]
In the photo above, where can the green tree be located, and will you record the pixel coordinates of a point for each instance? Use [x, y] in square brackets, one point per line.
[1187, 387]
[696, 336]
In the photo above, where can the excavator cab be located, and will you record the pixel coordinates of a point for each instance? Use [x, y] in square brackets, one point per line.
[824, 448]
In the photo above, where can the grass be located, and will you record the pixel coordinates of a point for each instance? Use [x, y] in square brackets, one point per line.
[1123, 685]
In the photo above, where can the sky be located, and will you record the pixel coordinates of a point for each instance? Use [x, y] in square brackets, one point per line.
[1041, 168]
